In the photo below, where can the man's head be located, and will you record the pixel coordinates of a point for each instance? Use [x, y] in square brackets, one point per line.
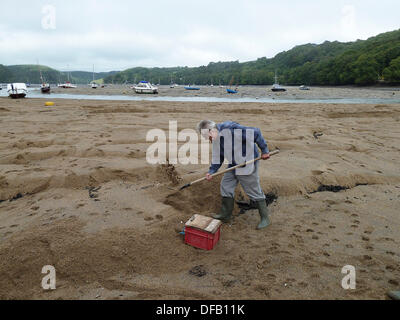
[208, 129]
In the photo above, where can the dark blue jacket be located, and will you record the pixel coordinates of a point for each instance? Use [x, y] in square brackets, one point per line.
[258, 141]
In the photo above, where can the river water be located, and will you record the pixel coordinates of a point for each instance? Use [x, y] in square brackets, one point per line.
[35, 93]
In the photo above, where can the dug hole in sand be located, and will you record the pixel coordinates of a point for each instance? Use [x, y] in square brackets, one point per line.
[78, 194]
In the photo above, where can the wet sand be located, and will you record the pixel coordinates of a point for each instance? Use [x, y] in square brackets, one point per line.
[78, 194]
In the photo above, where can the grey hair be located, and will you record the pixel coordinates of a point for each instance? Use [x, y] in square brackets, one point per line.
[206, 125]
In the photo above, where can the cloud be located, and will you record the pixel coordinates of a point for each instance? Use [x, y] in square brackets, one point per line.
[119, 34]
[348, 22]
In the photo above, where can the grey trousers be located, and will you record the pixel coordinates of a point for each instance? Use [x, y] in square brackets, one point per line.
[250, 184]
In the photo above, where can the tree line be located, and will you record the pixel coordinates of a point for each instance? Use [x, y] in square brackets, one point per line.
[363, 62]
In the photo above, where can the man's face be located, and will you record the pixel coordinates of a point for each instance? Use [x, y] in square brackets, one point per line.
[210, 135]
[213, 135]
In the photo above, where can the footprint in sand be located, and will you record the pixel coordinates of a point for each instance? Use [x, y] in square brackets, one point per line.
[317, 172]
[369, 230]
[271, 276]
[148, 219]
[390, 268]
[386, 239]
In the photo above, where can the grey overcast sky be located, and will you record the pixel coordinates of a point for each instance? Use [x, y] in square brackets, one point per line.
[119, 34]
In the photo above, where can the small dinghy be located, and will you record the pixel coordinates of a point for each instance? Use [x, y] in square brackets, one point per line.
[191, 88]
[303, 87]
[231, 91]
[17, 90]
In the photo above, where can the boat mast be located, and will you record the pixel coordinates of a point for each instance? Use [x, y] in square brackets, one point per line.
[40, 71]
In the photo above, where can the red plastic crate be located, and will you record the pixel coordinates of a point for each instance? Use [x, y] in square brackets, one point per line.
[202, 232]
[202, 239]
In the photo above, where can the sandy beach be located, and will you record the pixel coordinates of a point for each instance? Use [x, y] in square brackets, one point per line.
[77, 193]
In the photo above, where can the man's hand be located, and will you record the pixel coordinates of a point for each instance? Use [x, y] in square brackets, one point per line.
[265, 156]
[209, 177]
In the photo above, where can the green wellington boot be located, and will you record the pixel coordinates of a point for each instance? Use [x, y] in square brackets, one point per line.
[226, 209]
[263, 210]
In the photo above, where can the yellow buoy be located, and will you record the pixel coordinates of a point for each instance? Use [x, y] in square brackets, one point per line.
[49, 104]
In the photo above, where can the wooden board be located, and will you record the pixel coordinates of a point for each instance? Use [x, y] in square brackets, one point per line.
[204, 223]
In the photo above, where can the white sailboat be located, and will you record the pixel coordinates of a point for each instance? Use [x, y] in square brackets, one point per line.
[44, 87]
[277, 87]
[94, 84]
[67, 85]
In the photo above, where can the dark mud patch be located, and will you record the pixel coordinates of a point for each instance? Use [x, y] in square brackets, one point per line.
[251, 205]
[93, 192]
[198, 271]
[336, 188]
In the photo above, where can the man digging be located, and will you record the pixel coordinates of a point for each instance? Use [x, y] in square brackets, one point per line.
[249, 179]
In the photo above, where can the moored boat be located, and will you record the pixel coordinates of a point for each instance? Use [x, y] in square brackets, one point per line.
[231, 91]
[94, 85]
[17, 90]
[67, 85]
[145, 87]
[45, 88]
[276, 86]
[192, 88]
